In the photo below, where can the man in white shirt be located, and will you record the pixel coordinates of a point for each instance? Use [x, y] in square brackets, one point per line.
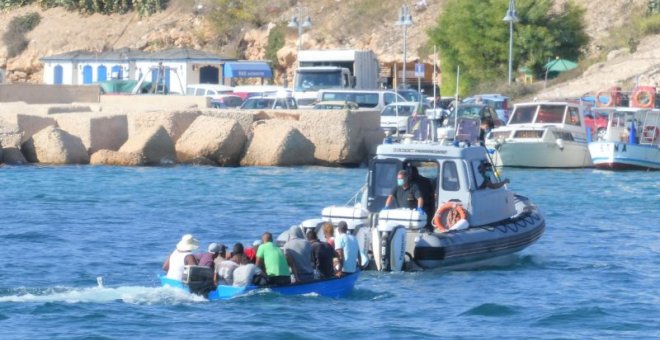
[347, 248]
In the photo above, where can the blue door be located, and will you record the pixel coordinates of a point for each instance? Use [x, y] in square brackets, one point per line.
[87, 74]
[117, 72]
[101, 73]
[59, 75]
[165, 79]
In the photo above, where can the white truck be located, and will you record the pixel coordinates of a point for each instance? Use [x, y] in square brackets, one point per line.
[332, 69]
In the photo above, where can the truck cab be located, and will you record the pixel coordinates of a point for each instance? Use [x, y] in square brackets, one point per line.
[309, 80]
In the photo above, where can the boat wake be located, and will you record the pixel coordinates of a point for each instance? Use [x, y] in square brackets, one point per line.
[100, 294]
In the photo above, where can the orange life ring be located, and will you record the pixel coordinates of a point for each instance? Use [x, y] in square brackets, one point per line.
[455, 213]
[603, 94]
[645, 95]
[650, 134]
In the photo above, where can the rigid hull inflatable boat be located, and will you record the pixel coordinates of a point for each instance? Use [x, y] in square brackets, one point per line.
[464, 220]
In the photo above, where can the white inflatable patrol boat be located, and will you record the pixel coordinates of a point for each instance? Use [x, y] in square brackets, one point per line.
[466, 222]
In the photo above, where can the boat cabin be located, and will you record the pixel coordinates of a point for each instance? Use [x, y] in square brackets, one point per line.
[645, 121]
[448, 173]
[544, 120]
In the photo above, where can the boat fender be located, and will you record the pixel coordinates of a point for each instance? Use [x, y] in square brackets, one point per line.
[451, 209]
[460, 225]
[560, 143]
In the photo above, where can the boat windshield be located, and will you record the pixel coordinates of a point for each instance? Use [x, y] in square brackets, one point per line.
[551, 114]
[523, 114]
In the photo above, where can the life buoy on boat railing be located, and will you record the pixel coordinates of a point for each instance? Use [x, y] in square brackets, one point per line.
[454, 212]
[644, 97]
[606, 95]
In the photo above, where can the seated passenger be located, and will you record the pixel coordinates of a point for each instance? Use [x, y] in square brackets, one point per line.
[298, 254]
[182, 256]
[245, 272]
[322, 256]
[225, 273]
[207, 259]
[251, 252]
[271, 260]
[348, 250]
[485, 170]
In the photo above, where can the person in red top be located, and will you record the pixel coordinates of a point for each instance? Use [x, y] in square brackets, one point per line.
[251, 253]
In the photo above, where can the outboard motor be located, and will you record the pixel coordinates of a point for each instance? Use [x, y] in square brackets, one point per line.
[199, 279]
[389, 237]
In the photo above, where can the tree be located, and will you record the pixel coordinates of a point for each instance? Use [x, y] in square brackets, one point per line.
[472, 35]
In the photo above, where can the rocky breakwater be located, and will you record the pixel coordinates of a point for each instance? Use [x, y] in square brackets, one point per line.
[110, 135]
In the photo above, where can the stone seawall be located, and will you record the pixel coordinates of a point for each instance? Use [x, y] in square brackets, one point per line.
[178, 131]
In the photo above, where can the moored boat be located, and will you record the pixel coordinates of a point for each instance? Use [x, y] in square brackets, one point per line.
[631, 142]
[333, 288]
[542, 135]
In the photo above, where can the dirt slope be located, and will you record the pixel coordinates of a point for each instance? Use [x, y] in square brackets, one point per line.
[61, 31]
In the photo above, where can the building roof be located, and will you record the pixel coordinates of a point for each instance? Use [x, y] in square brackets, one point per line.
[127, 54]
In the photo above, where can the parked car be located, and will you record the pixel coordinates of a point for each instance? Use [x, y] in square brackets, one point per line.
[269, 102]
[497, 101]
[411, 95]
[209, 90]
[226, 101]
[394, 116]
[482, 112]
[366, 99]
[335, 105]
[597, 122]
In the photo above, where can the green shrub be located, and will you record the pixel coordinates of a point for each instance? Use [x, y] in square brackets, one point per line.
[275, 43]
[14, 38]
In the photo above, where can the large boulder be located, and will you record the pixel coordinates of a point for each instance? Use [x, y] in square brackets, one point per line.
[218, 140]
[154, 144]
[13, 156]
[278, 143]
[11, 135]
[175, 123]
[111, 157]
[29, 124]
[338, 134]
[97, 131]
[53, 145]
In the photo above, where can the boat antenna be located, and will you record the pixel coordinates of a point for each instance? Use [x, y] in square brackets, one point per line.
[458, 77]
[396, 102]
[435, 77]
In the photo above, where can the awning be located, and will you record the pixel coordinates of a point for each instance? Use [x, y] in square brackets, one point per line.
[247, 70]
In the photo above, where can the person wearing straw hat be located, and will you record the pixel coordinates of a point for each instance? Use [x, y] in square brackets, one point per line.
[181, 256]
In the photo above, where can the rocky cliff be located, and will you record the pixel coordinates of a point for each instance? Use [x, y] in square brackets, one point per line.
[360, 24]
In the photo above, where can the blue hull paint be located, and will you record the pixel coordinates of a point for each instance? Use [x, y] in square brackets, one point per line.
[333, 288]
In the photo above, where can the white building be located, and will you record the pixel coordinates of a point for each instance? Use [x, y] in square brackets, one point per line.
[174, 68]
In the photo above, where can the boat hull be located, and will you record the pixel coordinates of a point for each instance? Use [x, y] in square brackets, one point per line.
[540, 154]
[476, 244]
[624, 156]
[333, 288]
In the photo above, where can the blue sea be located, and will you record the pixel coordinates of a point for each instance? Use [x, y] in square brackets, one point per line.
[595, 273]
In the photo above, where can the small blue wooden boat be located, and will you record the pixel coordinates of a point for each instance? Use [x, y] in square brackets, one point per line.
[333, 288]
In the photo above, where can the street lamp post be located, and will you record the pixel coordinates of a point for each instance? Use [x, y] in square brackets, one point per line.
[405, 20]
[297, 22]
[511, 18]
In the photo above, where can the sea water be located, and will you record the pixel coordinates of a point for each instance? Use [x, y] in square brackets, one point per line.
[81, 246]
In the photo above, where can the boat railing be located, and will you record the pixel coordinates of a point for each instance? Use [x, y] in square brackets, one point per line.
[355, 199]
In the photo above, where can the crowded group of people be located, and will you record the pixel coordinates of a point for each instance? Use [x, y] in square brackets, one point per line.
[303, 258]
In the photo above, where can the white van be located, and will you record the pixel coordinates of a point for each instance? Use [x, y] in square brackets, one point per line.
[366, 99]
[208, 90]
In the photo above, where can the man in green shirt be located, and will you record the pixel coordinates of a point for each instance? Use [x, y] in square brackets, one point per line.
[272, 261]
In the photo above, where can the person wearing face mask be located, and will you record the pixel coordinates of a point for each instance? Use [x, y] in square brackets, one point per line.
[485, 170]
[406, 194]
